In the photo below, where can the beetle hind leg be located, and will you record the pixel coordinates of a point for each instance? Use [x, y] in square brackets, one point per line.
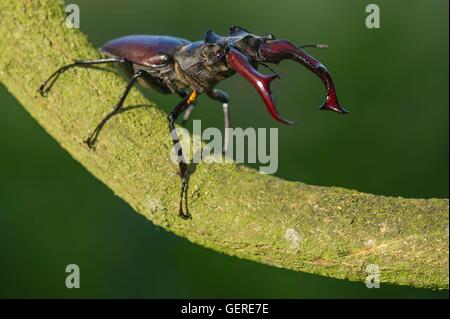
[57, 73]
[90, 141]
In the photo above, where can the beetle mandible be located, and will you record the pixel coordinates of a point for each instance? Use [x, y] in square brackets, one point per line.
[174, 65]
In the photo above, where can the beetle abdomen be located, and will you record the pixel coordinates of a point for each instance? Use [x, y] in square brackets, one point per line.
[149, 50]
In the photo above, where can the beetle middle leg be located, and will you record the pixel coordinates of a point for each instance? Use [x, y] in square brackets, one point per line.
[90, 141]
[223, 97]
[184, 172]
[75, 64]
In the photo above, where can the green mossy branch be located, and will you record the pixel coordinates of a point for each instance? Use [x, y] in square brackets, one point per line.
[327, 231]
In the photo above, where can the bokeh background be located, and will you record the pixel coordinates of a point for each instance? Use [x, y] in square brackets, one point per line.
[394, 80]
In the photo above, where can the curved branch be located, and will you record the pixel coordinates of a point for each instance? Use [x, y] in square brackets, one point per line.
[328, 231]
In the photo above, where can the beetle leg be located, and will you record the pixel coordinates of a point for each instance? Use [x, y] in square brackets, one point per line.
[90, 141]
[223, 97]
[184, 172]
[64, 68]
[187, 113]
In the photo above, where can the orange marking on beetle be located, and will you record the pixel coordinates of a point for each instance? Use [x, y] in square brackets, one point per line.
[192, 97]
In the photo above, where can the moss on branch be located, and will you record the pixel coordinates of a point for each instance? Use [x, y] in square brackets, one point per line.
[327, 231]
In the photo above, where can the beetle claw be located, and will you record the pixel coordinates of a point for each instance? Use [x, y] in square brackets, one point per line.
[240, 63]
[90, 143]
[328, 105]
[278, 50]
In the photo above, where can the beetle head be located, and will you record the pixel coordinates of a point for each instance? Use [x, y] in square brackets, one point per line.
[243, 51]
[238, 38]
[217, 57]
[214, 49]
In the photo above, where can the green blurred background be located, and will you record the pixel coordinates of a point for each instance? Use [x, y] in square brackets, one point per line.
[394, 80]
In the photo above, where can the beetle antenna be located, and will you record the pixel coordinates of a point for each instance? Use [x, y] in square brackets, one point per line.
[317, 46]
[268, 66]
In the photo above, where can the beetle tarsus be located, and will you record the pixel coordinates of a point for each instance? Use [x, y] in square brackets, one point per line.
[89, 143]
[184, 173]
[54, 77]
[183, 168]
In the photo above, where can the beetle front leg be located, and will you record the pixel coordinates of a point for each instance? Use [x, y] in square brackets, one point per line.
[184, 171]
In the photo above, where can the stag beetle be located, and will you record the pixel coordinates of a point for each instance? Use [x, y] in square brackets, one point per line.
[174, 65]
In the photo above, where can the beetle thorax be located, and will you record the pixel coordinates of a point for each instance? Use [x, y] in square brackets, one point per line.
[201, 66]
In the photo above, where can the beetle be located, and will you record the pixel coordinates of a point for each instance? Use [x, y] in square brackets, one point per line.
[175, 65]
